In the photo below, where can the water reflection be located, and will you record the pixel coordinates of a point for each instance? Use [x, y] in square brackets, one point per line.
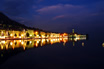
[9, 48]
[12, 44]
[103, 44]
[82, 43]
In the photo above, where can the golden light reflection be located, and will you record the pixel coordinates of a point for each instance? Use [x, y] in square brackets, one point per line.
[73, 43]
[25, 44]
[1, 47]
[36, 45]
[11, 43]
[82, 43]
[63, 44]
[22, 42]
[24, 47]
[103, 44]
[6, 47]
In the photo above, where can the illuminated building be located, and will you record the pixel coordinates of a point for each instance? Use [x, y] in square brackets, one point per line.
[31, 34]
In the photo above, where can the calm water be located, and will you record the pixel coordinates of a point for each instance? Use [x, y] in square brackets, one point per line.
[52, 54]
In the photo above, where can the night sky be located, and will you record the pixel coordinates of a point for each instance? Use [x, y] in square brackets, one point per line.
[56, 15]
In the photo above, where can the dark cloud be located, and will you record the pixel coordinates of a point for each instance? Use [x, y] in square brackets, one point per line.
[17, 7]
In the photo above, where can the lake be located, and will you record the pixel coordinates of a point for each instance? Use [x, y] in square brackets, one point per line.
[52, 54]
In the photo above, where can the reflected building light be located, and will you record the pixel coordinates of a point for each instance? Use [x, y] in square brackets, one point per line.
[71, 39]
[19, 40]
[82, 43]
[64, 41]
[73, 43]
[24, 47]
[14, 41]
[64, 44]
[36, 45]
[51, 43]
[61, 39]
[75, 39]
[13, 47]
[1, 47]
[22, 42]
[43, 40]
[3, 42]
[53, 39]
[103, 44]
[6, 47]
[47, 40]
[38, 42]
[41, 44]
[56, 39]
[11, 43]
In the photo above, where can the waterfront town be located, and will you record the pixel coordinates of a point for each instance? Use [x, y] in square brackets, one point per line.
[34, 34]
[10, 29]
[28, 34]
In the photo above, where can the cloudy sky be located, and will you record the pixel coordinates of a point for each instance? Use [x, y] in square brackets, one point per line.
[56, 15]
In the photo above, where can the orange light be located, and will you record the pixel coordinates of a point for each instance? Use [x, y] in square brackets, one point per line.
[36, 32]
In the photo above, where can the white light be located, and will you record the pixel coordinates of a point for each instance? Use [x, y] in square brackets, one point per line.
[30, 42]
[22, 42]
[2, 41]
[11, 43]
[22, 35]
[38, 42]
[11, 34]
[30, 35]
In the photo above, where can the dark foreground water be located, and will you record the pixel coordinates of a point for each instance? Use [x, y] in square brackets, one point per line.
[52, 54]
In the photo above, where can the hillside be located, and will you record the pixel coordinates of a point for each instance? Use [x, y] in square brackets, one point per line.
[7, 23]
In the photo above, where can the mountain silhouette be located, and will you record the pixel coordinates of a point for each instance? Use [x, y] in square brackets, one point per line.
[9, 24]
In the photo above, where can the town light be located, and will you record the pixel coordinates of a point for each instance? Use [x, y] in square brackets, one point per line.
[36, 32]
[11, 34]
[22, 35]
[30, 35]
